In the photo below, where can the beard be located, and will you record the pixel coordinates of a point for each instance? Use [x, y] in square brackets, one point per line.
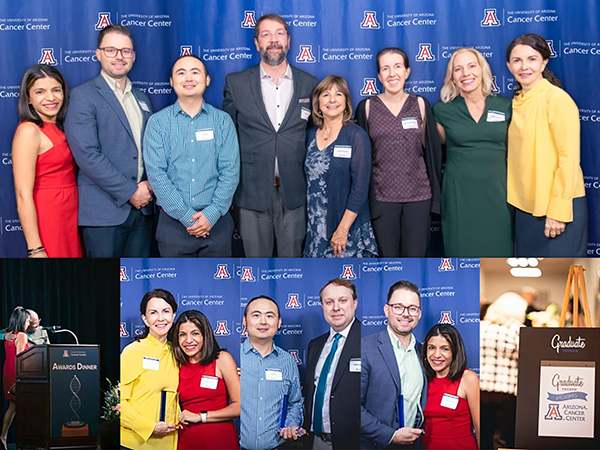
[273, 60]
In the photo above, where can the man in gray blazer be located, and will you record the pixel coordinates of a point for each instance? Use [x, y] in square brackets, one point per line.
[104, 127]
[393, 386]
[271, 105]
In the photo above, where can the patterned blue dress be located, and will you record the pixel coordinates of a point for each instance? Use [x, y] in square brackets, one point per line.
[361, 240]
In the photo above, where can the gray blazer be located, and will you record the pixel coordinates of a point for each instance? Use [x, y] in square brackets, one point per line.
[103, 146]
[260, 143]
[380, 388]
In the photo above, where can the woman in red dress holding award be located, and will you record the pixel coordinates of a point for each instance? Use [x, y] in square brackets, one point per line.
[209, 386]
[43, 167]
[15, 342]
[452, 409]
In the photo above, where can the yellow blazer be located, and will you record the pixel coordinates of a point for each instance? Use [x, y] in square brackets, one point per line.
[142, 380]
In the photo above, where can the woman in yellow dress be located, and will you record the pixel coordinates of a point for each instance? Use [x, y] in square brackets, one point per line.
[149, 379]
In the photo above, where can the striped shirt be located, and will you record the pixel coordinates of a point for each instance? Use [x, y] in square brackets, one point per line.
[193, 163]
[263, 395]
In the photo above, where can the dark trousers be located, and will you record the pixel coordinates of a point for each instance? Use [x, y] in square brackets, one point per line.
[131, 239]
[402, 229]
[262, 230]
[174, 240]
[531, 241]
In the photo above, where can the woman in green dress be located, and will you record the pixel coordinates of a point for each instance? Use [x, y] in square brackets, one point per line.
[476, 219]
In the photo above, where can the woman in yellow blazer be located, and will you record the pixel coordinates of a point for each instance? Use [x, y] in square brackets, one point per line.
[149, 379]
[545, 181]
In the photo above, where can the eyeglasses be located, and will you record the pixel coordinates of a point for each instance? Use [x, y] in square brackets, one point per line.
[111, 52]
[399, 308]
[279, 34]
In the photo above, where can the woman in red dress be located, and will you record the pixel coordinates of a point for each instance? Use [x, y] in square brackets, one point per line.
[452, 409]
[43, 167]
[15, 341]
[209, 386]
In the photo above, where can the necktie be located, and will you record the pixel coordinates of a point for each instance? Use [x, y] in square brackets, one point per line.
[322, 386]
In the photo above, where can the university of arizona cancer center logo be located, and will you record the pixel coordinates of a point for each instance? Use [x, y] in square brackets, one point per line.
[305, 55]
[293, 302]
[221, 329]
[425, 53]
[370, 20]
[369, 87]
[103, 20]
[48, 57]
[249, 19]
[490, 18]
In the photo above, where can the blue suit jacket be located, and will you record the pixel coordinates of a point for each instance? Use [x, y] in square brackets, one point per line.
[103, 146]
[379, 391]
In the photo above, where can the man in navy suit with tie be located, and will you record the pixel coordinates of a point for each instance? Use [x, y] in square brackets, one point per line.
[393, 383]
[104, 127]
[270, 105]
[332, 386]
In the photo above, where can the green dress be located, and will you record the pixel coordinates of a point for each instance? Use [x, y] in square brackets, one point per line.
[476, 219]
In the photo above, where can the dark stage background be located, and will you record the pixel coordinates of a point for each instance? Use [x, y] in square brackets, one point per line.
[81, 295]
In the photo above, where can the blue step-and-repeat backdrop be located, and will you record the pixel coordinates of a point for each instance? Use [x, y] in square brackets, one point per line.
[340, 37]
[221, 288]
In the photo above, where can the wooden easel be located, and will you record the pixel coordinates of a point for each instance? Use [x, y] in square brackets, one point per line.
[576, 279]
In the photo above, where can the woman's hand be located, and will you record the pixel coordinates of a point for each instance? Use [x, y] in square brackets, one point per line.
[553, 228]
[163, 428]
[186, 417]
[40, 255]
[338, 240]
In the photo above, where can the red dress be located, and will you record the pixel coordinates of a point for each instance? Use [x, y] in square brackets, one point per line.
[447, 428]
[55, 197]
[10, 363]
[217, 435]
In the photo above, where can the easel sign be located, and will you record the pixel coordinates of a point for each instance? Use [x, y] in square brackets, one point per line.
[558, 380]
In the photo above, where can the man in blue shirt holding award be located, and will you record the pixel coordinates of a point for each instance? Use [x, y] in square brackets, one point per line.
[271, 395]
[393, 383]
[192, 159]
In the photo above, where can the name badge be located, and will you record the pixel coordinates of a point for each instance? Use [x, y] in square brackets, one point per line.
[208, 382]
[273, 375]
[495, 116]
[304, 113]
[205, 135]
[449, 401]
[150, 363]
[342, 151]
[410, 123]
[143, 105]
[354, 365]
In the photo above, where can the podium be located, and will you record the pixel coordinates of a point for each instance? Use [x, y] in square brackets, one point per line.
[58, 397]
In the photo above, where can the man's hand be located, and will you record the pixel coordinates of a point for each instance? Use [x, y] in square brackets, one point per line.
[163, 428]
[201, 228]
[290, 433]
[406, 435]
[142, 196]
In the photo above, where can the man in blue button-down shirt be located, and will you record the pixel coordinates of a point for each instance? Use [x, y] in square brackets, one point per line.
[271, 396]
[192, 159]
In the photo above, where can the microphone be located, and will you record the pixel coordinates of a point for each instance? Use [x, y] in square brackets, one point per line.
[53, 328]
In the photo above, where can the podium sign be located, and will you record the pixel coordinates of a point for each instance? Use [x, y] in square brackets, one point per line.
[556, 402]
[75, 391]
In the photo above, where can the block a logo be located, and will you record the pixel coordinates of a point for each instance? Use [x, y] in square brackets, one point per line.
[185, 50]
[123, 330]
[48, 57]
[446, 317]
[221, 329]
[369, 87]
[103, 20]
[123, 273]
[305, 55]
[490, 18]
[551, 47]
[222, 273]
[553, 412]
[296, 354]
[244, 332]
[249, 20]
[495, 88]
[293, 302]
[446, 265]
[370, 20]
[425, 53]
[247, 274]
[348, 272]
